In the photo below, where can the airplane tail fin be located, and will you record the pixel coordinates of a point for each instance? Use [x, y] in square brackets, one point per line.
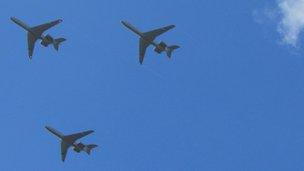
[57, 42]
[88, 148]
[170, 49]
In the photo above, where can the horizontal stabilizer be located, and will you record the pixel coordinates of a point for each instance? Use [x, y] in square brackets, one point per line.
[57, 42]
[88, 148]
[170, 49]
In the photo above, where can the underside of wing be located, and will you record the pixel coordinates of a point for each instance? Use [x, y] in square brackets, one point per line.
[64, 150]
[31, 40]
[38, 30]
[75, 137]
[151, 35]
[143, 45]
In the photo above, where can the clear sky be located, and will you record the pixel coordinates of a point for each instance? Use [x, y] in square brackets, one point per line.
[230, 99]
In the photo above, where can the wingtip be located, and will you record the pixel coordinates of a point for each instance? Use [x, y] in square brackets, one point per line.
[47, 127]
[14, 19]
[123, 22]
[141, 60]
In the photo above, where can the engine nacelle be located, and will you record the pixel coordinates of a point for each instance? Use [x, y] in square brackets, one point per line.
[79, 147]
[47, 40]
[78, 150]
[160, 47]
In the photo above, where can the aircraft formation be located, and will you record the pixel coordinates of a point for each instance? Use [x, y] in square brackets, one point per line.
[146, 38]
[36, 33]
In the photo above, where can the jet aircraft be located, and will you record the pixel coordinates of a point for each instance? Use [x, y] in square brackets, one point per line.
[147, 39]
[68, 141]
[35, 33]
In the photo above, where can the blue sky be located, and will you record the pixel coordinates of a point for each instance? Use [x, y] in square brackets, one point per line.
[230, 99]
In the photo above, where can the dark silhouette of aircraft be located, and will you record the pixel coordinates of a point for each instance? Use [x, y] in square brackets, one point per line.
[147, 39]
[68, 141]
[35, 33]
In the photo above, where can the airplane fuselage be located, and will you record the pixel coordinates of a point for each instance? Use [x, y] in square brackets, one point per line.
[159, 47]
[78, 147]
[147, 39]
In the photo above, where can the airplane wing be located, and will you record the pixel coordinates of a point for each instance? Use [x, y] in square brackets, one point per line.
[64, 150]
[38, 30]
[31, 40]
[75, 137]
[151, 35]
[143, 45]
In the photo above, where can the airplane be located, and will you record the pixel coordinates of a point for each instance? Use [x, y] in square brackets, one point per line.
[35, 33]
[147, 39]
[68, 141]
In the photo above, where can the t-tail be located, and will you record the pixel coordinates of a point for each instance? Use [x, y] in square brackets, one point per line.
[88, 148]
[170, 49]
[57, 42]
